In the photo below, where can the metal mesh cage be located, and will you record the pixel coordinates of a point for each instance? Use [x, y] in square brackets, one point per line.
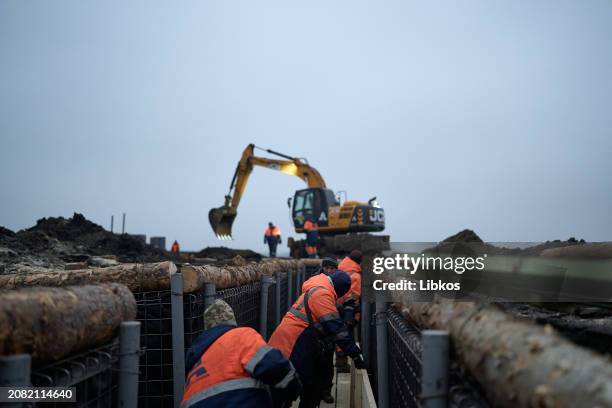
[154, 311]
[284, 283]
[271, 312]
[93, 374]
[405, 347]
[245, 301]
[310, 271]
[405, 367]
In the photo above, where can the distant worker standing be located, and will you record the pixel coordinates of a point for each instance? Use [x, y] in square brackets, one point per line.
[175, 248]
[272, 237]
[312, 237]
[232, 366]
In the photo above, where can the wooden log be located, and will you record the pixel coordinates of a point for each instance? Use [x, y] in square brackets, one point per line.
[227, 276]
[595, 250]
[518, 364]
[50, 323]
[137, 277]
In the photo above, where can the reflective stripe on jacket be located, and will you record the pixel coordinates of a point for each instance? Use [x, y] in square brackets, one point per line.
[231, 366]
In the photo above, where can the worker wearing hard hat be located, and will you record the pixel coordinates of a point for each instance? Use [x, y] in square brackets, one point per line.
[230, 366]
[310, 327]
[272, 237]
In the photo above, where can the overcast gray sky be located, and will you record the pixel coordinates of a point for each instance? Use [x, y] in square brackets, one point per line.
[495, 116]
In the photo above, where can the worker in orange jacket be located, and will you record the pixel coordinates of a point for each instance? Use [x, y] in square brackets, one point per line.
[349, 304]
[230, 366]
[175, 248]
[272, 237]
[328, 267]
[310, 327]
[312, 237]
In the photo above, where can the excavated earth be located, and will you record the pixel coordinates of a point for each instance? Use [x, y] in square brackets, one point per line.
[55, 241]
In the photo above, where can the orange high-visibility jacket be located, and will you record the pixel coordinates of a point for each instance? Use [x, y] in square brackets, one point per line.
[233, 366]
[354, 270]
[310, 226]
[175, 247]
[272, 232]
[295, 338]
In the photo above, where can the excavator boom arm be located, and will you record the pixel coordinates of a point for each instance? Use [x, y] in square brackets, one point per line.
[222, 218]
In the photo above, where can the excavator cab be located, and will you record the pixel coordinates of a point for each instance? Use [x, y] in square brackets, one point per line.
[323, 207]
[313, 203]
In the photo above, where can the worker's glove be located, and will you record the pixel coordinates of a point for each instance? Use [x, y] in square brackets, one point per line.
[292, 391]
[359, 362]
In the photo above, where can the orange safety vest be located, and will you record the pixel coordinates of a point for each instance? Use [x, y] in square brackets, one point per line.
[322, 305]
[274, 231]
[223, 366]
[354, 270]
[310, 226]
[175, 247]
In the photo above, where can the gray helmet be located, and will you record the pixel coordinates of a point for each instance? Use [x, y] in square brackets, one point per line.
[331, 262]
[218, 313]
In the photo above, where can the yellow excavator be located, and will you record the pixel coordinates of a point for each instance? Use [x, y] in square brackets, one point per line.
[316, 202]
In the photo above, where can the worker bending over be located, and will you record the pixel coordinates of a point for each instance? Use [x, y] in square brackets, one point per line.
[328, 267]
[349, 305]
[312, 237]
[232, 366]
[272, 237]
[311, 327]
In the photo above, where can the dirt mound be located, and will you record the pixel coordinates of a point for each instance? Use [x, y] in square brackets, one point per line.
[56, 240]
[467, 235]
[224, 253]
[86, 236]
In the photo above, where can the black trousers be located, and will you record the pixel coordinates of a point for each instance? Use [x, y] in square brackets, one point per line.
[272, 246]
[327, 371]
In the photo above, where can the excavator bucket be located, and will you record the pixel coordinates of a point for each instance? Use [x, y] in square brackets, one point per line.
[221, 220]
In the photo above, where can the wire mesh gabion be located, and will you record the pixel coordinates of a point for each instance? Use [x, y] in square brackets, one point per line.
[93, 373]
[245, 301]
[156, 365]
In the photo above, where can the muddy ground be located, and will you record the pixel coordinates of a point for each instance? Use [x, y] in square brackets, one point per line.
[55, 241]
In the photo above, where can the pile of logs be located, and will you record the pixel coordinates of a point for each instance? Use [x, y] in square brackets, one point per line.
[156, 276]
[52, 314]
[518, 364]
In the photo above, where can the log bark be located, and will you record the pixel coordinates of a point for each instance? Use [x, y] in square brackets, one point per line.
[194, 277]
[156, 276]
[50, 323]
[137, 277]
[518, 364]
[595, 250]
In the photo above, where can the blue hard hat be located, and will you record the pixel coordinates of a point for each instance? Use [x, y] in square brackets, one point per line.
[341, 281]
